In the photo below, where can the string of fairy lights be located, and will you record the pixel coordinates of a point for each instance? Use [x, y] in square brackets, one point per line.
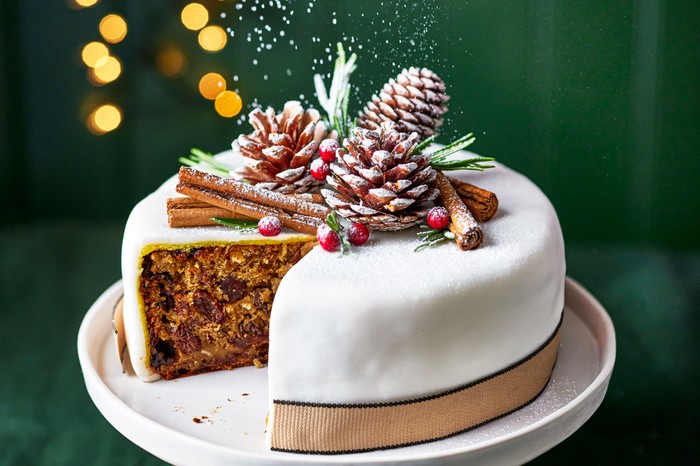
[105, 67]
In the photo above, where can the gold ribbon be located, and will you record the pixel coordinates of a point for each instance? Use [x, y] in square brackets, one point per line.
[328, 428]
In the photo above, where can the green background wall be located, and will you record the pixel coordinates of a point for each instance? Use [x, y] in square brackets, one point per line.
[597, 101]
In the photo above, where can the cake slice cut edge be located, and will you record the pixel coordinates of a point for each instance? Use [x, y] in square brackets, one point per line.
[198, 299]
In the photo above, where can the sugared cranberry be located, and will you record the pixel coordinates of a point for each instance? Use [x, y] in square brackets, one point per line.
[327, 150]
[320, 169]
[358, 234]
[269, 226]
[327, 238]
[438, 218]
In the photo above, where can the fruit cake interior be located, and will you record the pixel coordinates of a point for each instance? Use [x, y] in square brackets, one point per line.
[208, 308]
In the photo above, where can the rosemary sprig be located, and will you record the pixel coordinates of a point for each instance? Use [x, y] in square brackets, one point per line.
[454, 146]
[241, 225]
[335, 100]
[205, 162]
[439, 158]
[332, 221]
[423, 144]
[464, 164]
[430, 237]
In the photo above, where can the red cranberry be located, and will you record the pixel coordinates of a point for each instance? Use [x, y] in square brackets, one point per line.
[358, 234]
[269, 226]
[327, 238]
[438, 218]
[327, 150]
[320, 169]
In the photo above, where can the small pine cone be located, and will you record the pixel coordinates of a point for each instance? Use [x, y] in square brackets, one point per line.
[415, 101]
[280, 149]
[380, 182]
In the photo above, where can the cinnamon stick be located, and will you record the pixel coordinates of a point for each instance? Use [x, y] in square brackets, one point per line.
[229, 187]
[252, 209]
[467, 231]
[310, 197]
[482, 203]
[189, 212]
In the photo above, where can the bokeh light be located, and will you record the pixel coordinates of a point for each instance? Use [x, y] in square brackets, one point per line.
[194, 16]
[108, 71]
[104, 119]
[82, 3]
[171, 62]
[228, 104]
[211, 85]
[94, 54]
[212, 38]
[113, 28]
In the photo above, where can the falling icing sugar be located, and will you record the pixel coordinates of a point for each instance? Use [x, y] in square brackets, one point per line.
[388, 36]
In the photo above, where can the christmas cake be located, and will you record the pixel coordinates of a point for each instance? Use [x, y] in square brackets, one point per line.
[404, 340]
[355, 336]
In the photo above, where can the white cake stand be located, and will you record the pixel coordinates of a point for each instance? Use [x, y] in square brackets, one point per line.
[219, 418]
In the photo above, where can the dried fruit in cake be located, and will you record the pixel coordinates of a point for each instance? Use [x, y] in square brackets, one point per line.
[379, 181]
[280, 149]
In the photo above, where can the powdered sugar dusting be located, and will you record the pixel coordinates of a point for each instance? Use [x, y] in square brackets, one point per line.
[449, 315]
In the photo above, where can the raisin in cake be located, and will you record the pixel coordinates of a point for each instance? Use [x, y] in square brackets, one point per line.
[380, 348]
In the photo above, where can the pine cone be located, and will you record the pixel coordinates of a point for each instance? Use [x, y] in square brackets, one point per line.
[281, 147]
[380, 182]
[415, 101]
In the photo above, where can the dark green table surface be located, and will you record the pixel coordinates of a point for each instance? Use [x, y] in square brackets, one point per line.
[51, 273]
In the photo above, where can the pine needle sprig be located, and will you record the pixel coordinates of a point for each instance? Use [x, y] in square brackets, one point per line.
[440, 158]
[335, 100]
[424, 144]
[430, 237]
[205, 162]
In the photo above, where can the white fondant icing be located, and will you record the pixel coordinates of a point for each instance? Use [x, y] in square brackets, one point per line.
[385, 323]
[148, 225]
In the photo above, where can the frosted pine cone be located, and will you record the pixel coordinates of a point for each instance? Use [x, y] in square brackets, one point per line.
[280, 149]
[380, 182]
[415, 101]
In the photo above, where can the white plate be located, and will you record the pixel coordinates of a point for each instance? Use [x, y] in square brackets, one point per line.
[219, 418]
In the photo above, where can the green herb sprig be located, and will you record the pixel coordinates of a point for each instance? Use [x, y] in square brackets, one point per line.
[205, 162]
[244, 226]
[430, 237]
[334, 224]
[439, 159]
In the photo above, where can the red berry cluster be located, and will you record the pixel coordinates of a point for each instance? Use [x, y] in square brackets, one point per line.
[329, 235]
[320, 168]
